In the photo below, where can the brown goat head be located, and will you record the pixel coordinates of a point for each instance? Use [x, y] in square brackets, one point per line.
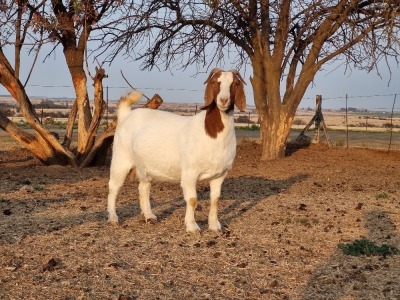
[236, 89]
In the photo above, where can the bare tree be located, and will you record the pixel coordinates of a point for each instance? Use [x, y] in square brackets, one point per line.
[68, 24]
[286, 43]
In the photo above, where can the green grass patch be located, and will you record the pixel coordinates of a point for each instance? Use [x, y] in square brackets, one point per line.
[367, 248]
[23, 124]
[382, 195]
[305, 222]
[38, 188]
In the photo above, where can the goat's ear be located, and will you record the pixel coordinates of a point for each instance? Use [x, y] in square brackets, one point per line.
[208, 95]
[213, 71]
[240, 96]
[209, 92]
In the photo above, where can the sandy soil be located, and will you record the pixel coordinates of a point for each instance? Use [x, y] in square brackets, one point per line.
[282, 223]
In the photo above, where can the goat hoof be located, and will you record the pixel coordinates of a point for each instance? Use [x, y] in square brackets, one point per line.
[113, 221]
[151, 220]
[215, 227]
[192, 228]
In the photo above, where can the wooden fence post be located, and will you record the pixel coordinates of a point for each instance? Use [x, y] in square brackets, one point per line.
[319, 121]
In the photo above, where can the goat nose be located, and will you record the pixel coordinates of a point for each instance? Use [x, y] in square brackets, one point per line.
[224, 100]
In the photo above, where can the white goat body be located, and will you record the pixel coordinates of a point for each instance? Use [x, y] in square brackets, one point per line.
[163, 146]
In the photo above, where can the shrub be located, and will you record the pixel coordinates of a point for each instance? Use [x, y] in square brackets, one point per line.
[8, 112]
[38, 188]
[390, 125]
[299, 121]
[382, 195]
[22, 123]
[243, 119]
[367, 248]
[253, 127]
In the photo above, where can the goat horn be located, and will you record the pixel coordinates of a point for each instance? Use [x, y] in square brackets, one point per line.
[236, 72]
[212, 73]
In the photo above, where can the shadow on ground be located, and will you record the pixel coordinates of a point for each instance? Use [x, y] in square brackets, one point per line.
[24, 218]
[372, 277]
[241, 194]
[41, 216]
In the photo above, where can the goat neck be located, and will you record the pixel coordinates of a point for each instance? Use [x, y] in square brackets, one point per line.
[215, 120]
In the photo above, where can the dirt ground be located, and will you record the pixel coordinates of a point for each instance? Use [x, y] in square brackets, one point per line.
[282, 219]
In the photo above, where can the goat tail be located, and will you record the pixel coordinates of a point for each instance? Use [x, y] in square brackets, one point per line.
[125, 103]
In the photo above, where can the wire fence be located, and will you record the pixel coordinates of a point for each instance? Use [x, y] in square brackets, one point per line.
[354, 125]
[369, 121]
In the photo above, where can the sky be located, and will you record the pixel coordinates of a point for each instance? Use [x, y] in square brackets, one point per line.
[364, 90]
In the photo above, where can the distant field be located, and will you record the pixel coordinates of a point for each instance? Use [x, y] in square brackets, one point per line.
[365, 129]
[338, 138]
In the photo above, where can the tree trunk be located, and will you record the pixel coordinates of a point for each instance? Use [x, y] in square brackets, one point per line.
[98, 153]
[44, 145]
[99, 107]
[75, 57]
[274, 135]
[69, 130]
[275, 117]
[73, 37]
[41, 149]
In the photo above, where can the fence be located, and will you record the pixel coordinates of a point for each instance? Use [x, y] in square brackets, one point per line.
[371, 121]
[354, 125]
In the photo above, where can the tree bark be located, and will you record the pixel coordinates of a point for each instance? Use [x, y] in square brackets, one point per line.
[99, 109]
[275, 117]
[274, 135]
[74, 52]
[44, 145]
[69, 130]
[98, 153]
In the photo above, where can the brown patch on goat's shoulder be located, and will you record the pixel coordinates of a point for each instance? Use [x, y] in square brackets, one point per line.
[213, 122]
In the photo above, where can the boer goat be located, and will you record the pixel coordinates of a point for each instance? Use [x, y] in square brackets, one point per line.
[162, 146]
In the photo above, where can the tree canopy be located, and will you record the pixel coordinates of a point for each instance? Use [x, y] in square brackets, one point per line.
[285, 42]
[205, 32]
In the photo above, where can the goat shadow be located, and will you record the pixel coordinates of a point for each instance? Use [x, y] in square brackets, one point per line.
[23, 218]
[27, 217]
[242, 193]
[361, 277]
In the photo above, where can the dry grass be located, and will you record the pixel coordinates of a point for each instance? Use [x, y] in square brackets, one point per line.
[282, 223]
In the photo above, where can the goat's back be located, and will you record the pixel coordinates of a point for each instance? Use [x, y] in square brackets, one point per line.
[153, 128]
